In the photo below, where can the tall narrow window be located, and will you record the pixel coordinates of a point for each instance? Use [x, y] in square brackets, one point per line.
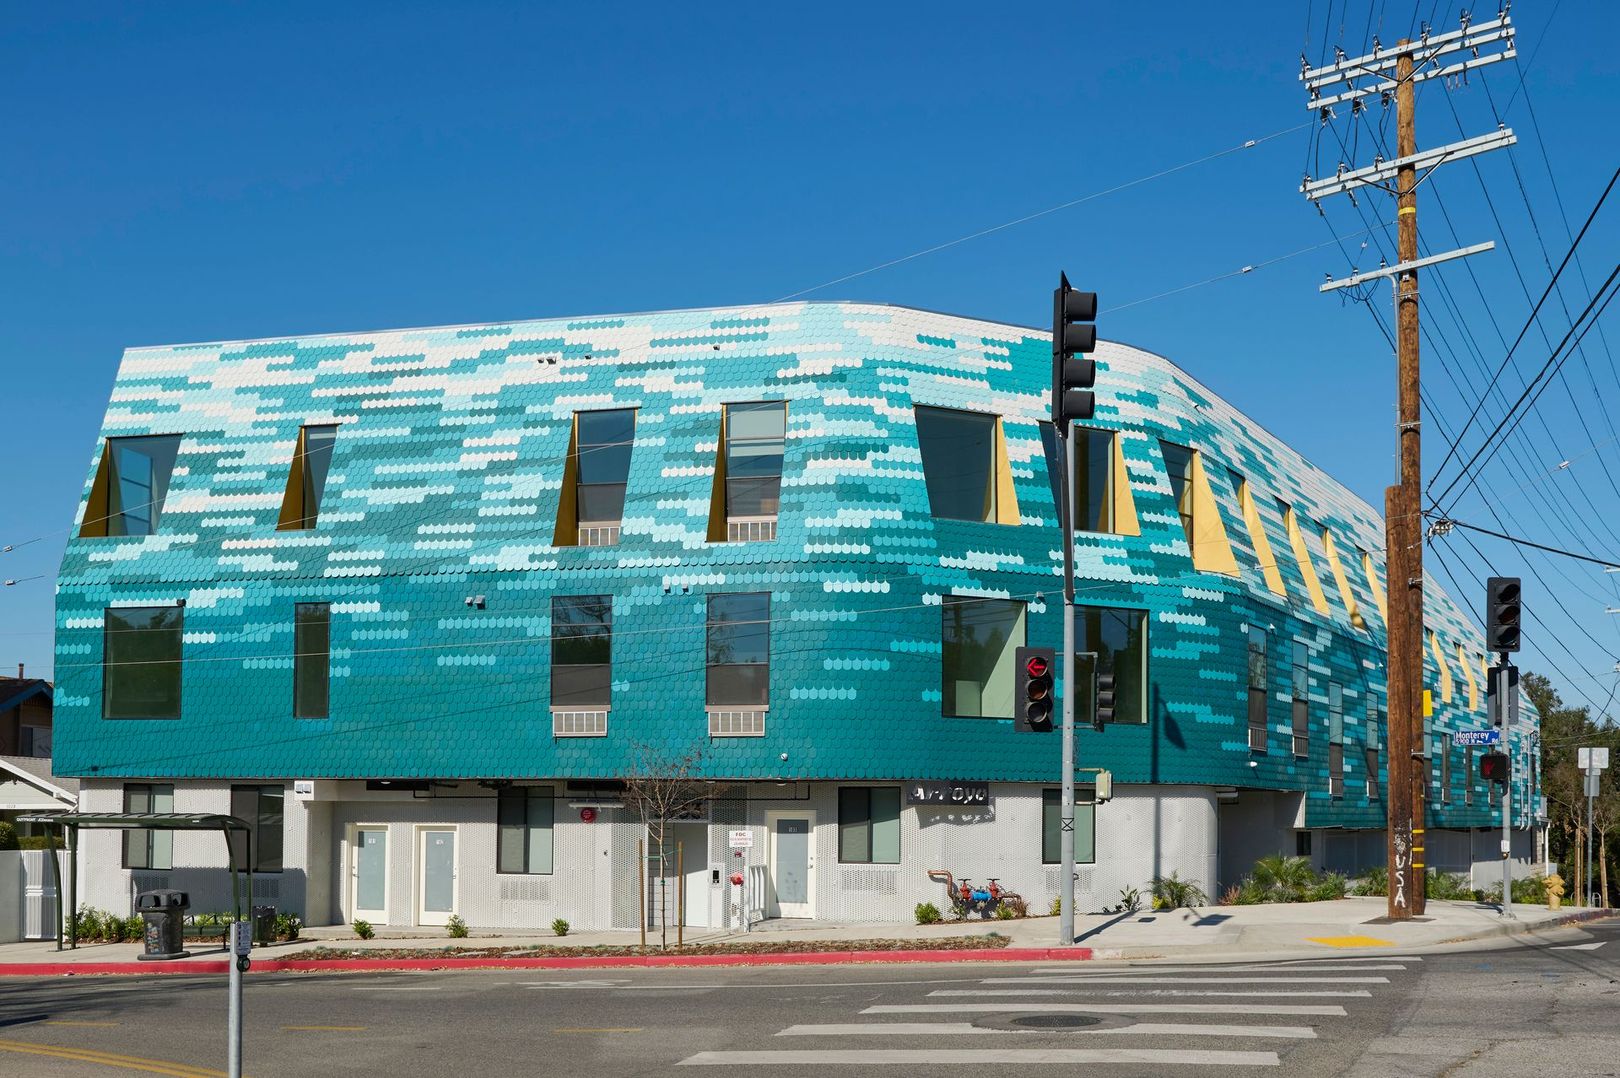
[1468, 775]
[524, 820]
[147, 848]
[869, 825]
[1093, 479]
[1443, 750]
[306, 481]
[1301, 683]
[1085, 826]
[312, 660]
[262, 808]
[1178, 461]
[141, 662]
[581, 664]
[1374, 720]
[756, 435]
[1302, 556]
[978, 643]
[739, 663]
[964, 458]
[1335, 739]
[1258, 642]
[130, 485]
[603, 442]
[1113, 641]
[1372, 773]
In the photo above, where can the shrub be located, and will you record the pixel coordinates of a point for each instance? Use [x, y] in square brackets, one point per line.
[1526, 890]
[1016, 903]
[288, 926]
[40, 842]
[456, 927]
[88, 924]
[926, 913]
[1329, 887]
[363, 929]
[135, 928]
[1283, 879]
[8, 836]
[1130, 900]
[1005, 913]
[1373, 882]
[1447, 886]
[560, 927]
[1173, 893]
[1057, 907]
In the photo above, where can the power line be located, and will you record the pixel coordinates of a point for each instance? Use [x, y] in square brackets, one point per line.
[1248, 144]
[1447, 522]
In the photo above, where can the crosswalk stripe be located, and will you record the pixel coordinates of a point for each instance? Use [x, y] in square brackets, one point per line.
[1325, 1009]
[1328, 962]
[1182, 980]
[1141, 1029]
[1256, 967]
[1347, 993]
[960, 1056]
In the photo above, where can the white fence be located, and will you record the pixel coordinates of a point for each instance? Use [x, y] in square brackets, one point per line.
[27, 896]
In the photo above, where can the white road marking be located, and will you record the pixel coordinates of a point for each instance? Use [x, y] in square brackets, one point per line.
[1128, 979]
[393, 988]
[1257, 967]
[1290, 963]
[1580, 946]
[929, 1029]
[965, 1056]
[1327, 1010]
[1348, 993]
[571, 984]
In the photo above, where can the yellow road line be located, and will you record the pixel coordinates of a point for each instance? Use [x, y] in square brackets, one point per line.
[66, 1022]
[110, 1059]
[319, 1029]
[610, 1029]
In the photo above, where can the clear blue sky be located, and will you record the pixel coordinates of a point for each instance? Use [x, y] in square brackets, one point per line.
[185, 172]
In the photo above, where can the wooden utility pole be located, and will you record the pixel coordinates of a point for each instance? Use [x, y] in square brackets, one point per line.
[1354, 81]
[1408, 758]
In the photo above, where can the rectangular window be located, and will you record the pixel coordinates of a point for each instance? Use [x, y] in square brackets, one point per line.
[1178, 461]
[869, 825]
[1085, 826]
[130, 485]
[1118, 640]
[959, 463]
[1093, 479]
[261, 807]
[524, 817]
[603, 442]
[582, 652]
[148, 848]
[1443, 750]
[1301, 682]
[1374, 721]
[141, 662]
[1372, 774]
[756, 435]
[1335, 739]
[1468, 775]
[739, 650]
[306, 481]
[1258, 696]
[978, 643]
[312, 660]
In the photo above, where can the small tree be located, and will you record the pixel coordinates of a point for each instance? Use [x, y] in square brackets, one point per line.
[661, 786]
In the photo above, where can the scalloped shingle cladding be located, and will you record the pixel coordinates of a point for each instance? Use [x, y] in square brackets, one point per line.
[444, 483]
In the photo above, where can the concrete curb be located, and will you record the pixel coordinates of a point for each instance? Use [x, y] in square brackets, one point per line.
[1512, 928]
[384, 965]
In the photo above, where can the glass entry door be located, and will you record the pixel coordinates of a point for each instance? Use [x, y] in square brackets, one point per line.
[369, 895]
[793, 863]
[436, 886]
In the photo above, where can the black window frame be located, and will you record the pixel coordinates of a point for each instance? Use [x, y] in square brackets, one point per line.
[1259, 686]
[936, 490]
[560, 639]
[258, 827]
[711, 623]
[1092, 619]
[507, 800]
[1300, 688]
[312, 668]
[951, 609]
[581, 450]
[111, 663]
[855, 810]
[144, 836]
[1085, 798]
[769, 483]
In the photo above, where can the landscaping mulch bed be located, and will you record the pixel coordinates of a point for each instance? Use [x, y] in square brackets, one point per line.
[948, 943]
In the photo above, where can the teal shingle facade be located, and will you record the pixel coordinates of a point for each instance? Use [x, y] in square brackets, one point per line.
[445, 483]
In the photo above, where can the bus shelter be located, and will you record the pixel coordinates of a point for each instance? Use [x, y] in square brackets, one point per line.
[68, 825]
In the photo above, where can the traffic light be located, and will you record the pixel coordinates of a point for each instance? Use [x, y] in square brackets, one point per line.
[1103, 711]
[1502, 613]
[1072, 335]
[1494, 767]
[1034, 688]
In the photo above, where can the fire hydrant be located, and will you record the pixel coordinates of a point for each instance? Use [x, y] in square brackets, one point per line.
[1554, 886]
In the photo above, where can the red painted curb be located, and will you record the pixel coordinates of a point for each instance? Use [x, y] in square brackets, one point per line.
[377, 965]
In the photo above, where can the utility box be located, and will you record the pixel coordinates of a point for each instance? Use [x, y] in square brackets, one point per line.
[165, 915]
[264, 925]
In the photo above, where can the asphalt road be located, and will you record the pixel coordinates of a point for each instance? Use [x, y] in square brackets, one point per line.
[1513, 1010]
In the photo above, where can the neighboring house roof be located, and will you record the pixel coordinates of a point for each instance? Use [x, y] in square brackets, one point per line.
[35, 771]
[14, 692]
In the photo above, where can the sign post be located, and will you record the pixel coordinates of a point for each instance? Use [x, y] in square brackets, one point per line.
[1594, 761]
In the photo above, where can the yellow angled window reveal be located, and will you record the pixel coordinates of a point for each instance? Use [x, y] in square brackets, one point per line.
[1351, 607]
[1125, 522]
[566, 533]
[1439, 654]
[1207, 543]
[1473, 682]
[1257, 537]
[1005, 510]
[95, 510]
[1373, 585]
[1302, 555]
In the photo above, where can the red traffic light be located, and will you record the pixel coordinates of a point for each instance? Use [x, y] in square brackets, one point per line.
[1037, 666]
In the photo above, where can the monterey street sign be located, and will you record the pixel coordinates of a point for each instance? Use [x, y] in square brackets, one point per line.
[1476, 737]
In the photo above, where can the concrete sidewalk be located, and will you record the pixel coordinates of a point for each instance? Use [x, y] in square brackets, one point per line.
[1350, 924]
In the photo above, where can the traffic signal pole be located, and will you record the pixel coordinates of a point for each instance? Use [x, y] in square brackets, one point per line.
[1066, 834]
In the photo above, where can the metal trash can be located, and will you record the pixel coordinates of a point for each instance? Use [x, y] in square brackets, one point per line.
[165, 915]
[264, 925]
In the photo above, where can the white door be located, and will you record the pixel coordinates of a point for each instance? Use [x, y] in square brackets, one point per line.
[792, 863]
[694, 869]
[436, 875]
[368, 875]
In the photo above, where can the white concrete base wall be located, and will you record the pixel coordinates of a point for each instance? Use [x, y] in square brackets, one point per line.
[1143, 832]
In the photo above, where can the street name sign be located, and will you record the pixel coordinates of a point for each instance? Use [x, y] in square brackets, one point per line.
[1592, 758]
[1476, 737]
